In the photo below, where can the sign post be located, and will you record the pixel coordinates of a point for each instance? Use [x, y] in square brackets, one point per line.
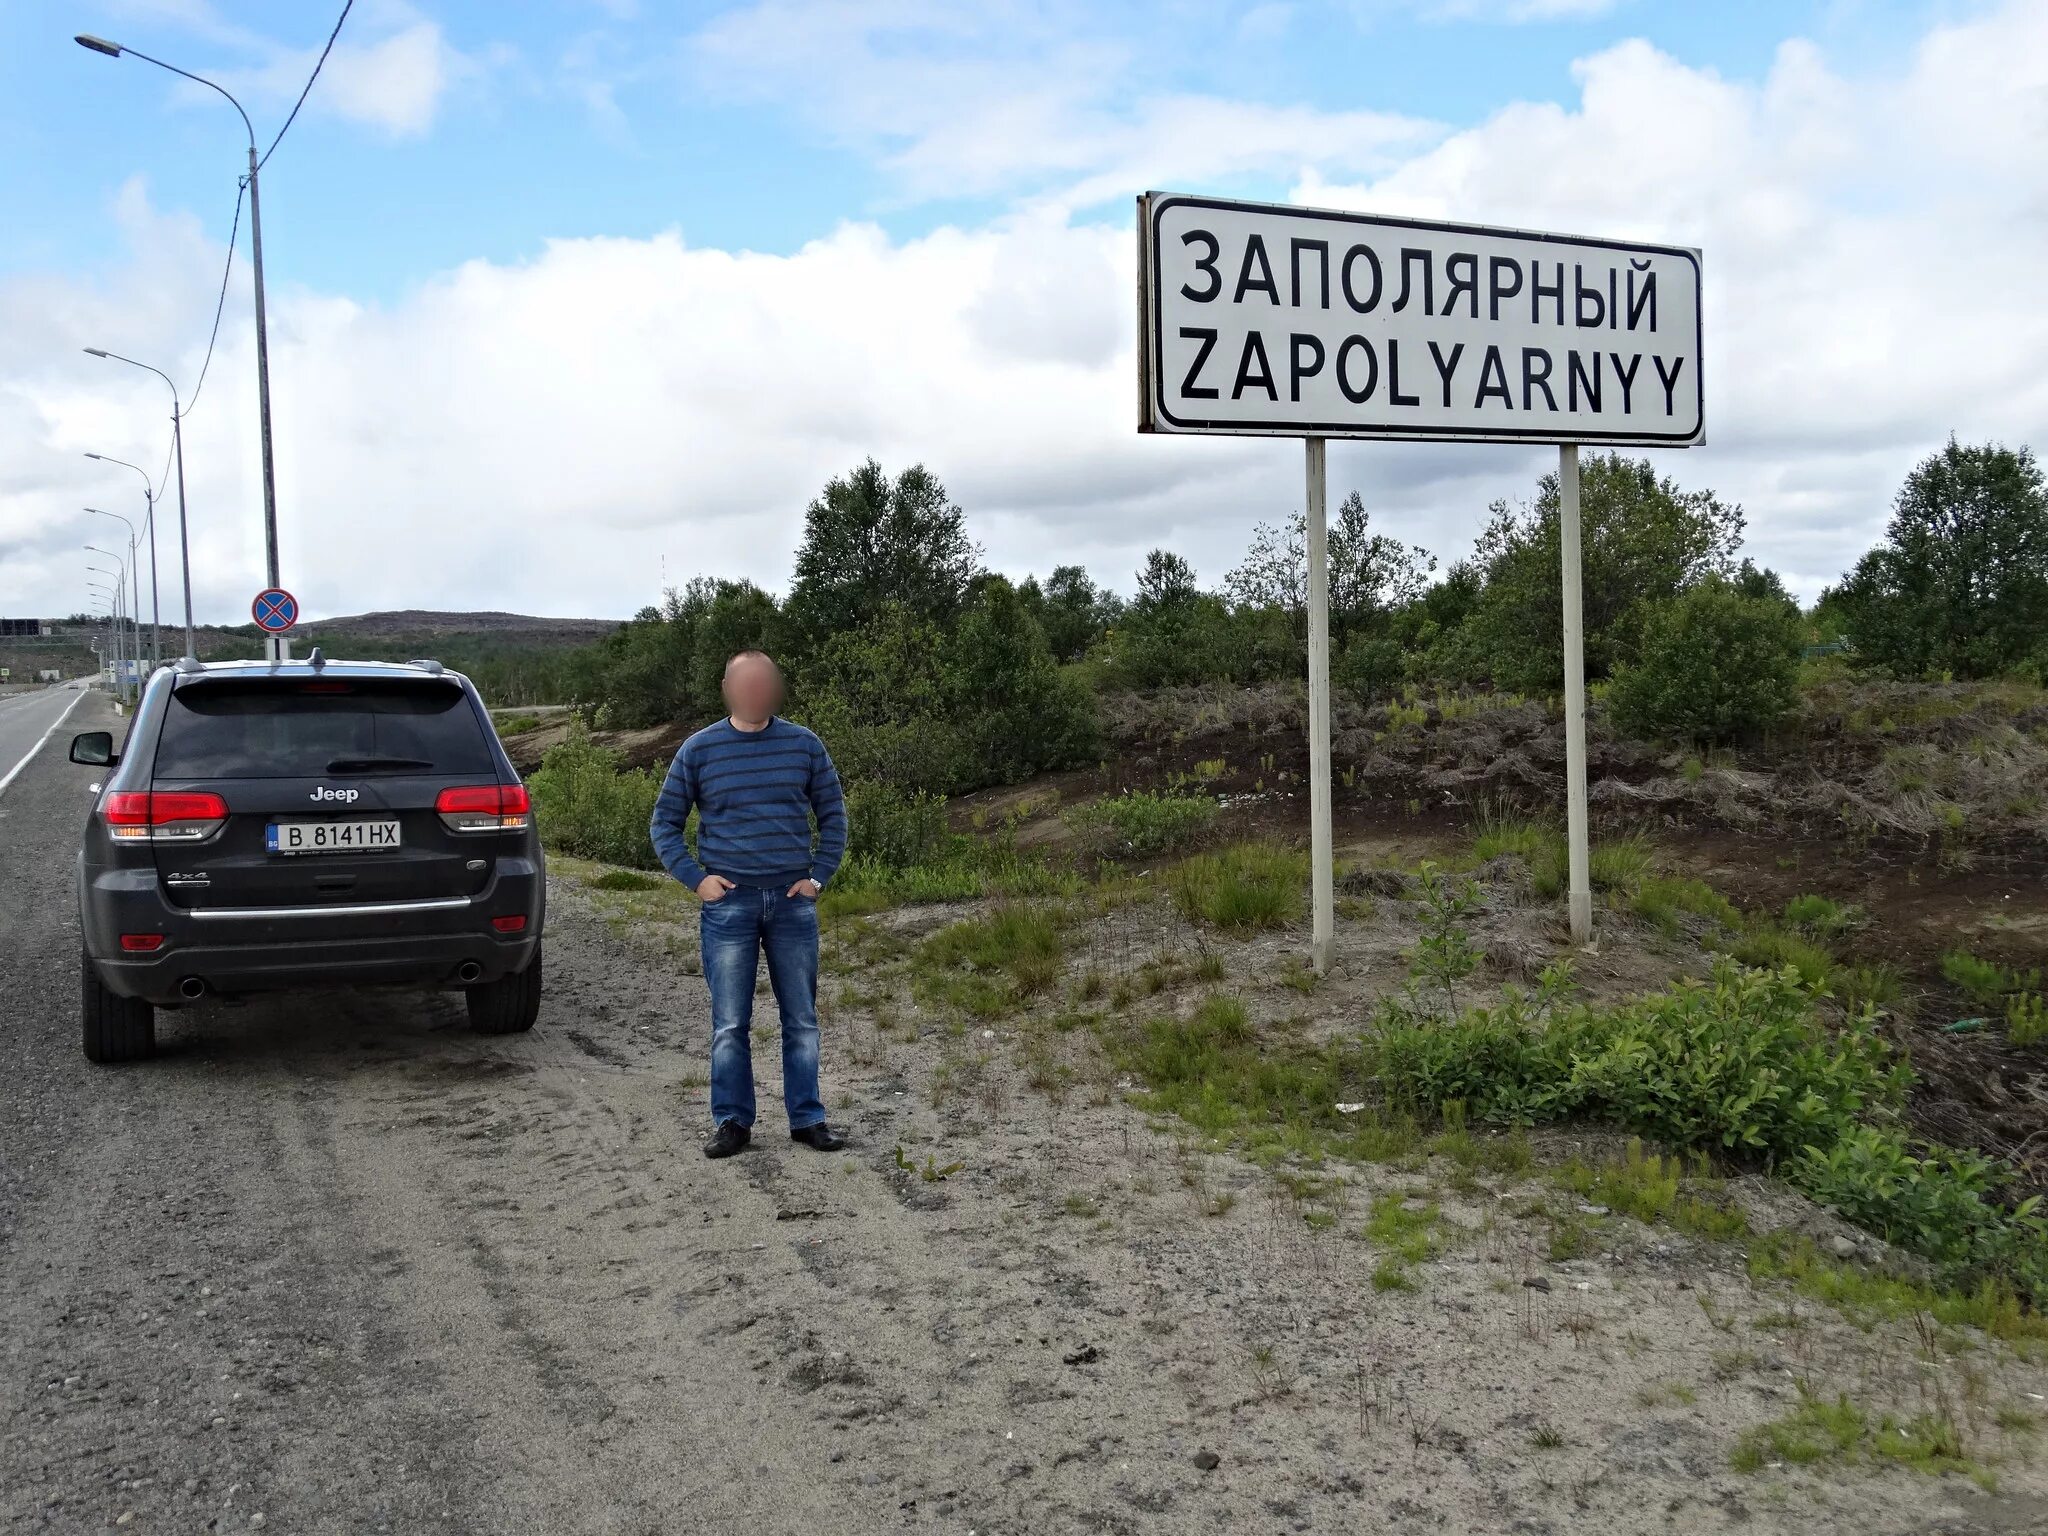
[1323, 924]
[1265, 320]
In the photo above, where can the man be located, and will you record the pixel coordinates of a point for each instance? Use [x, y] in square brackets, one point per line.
[755, 780]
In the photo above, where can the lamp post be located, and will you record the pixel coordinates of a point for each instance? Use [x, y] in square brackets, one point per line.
[134, 576]
[148, 523]
[178, 449]
[114, 51]
[113, 596]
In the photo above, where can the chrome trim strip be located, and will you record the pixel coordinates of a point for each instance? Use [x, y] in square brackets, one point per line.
[371, 909]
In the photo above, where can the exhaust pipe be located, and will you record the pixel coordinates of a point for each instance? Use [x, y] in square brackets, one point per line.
[192, 989]
[469, 970]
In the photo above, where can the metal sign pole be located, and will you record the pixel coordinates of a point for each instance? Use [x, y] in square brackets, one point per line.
[1323, 933]
[1581, 892]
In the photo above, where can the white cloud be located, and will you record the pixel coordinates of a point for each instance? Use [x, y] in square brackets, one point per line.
[389, 70]
[1029, 97]
[544, 435]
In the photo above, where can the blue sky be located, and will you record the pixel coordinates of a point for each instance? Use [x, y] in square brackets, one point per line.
[653, 271]
[583, 118]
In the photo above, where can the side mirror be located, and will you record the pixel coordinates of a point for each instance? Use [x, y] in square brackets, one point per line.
[95, 749]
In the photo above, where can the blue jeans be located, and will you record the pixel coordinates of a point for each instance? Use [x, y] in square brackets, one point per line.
[735, 930]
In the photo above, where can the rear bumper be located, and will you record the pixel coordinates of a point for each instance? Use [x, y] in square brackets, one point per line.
[442, 943]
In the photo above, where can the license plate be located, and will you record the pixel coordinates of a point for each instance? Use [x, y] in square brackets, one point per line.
[330, 836]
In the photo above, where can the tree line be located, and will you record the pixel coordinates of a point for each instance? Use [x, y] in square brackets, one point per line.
[930, 672]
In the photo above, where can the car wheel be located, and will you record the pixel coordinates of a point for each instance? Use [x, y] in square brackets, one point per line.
[116, 1028]
[509, 1005]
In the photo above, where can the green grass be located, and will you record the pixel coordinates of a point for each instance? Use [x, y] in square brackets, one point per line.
[1867, 1297]
[625, 880]
[1984, 982]
[1816, 1430]
[1768, 947]
[2026, 1019]
[1212, 1070]
[1405, 1235]
[1617, 864]
[986, 967]
[1245, 887]
[1664, 901]
[1823, 916]
[1820, 1430]
[517, 725]
[1657, 1190]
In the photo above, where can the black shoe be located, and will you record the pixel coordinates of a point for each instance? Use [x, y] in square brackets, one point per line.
[729, 1138]
[819, 1138]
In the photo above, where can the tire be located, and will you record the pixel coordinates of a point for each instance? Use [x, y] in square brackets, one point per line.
[116, 1028]
[509, 1005]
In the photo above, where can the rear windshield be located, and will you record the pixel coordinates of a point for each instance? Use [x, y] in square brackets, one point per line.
[262, 729]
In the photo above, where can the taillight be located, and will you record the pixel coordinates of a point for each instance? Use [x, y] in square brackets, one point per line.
[485, 808]
[163, 816]
[142, 943]
[514, 923]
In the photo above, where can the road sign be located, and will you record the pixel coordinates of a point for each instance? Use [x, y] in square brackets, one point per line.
[275, 610]
[1257, 318]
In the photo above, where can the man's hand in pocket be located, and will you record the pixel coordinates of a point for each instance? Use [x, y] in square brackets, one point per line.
[713, 888]
[808, 889]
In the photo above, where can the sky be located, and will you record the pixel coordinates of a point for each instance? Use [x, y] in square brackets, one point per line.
[568, 301]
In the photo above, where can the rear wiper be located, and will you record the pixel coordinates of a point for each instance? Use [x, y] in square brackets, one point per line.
[372, 764]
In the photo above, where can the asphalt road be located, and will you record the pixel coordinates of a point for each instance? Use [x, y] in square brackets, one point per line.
[26, 719]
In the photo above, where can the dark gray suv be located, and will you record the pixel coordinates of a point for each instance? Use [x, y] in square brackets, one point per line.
[305, 823]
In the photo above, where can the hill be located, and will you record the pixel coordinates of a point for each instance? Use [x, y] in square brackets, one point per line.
[424, 623]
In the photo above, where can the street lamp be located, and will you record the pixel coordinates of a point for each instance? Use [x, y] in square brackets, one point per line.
[113, 597]
[134, 574]
[114, 51]
[156, 624]
[178, 445]
[120, 576]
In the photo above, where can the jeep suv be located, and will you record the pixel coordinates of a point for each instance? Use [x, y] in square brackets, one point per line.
[305, 823]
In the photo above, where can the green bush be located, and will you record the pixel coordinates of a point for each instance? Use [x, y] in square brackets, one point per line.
[1141, 822]
[1739, 1062]
[1939, 1202]
[892, 827]
[1252, 885]
[1715, 665]
[585, 805]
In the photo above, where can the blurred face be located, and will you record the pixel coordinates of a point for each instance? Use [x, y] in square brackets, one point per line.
[753, 688]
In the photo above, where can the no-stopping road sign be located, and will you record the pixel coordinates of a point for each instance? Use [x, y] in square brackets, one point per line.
[275, 610]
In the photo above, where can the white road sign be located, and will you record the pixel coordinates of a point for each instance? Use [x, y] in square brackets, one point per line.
[1257, 318]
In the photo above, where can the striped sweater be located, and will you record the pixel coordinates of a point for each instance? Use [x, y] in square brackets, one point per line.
[754, 793]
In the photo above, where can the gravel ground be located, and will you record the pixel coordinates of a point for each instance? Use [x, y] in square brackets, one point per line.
[335, 1264]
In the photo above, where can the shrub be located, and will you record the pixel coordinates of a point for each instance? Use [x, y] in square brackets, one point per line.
[1737, 1062]
[584, 805]
[1715, 665]
[1143, 822]
[1939, 1202]
[894, 828]
[1252, 885]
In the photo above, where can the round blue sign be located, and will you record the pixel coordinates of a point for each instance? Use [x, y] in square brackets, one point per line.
[275, 610]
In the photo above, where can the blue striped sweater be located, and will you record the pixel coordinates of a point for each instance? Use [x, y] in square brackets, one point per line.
[754, 793]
